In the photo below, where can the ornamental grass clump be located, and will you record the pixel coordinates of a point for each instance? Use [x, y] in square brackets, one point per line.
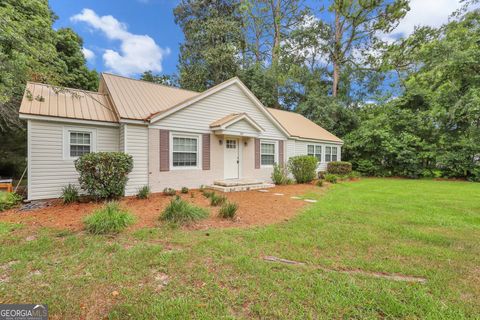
[69, 194]
[181, 212]
[228, 210]
[216, 200]
[109, 219]
[143, 192]
[8, 200]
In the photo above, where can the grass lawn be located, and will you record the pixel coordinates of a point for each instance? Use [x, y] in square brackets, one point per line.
[429, 229]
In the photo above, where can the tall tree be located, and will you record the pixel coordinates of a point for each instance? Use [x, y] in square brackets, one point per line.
[356, 27]
[164, 79]
[24, 55]
[211, 52]
[75, 73]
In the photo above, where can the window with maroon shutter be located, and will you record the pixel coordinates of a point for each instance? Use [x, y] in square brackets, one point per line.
[164, 150]
[206, 151]
[281, 160]
[257, 153]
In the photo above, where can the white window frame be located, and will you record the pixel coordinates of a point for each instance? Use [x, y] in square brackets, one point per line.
[199, 149]
[66, 140]
[331, 153]
[275, 153]
[314, 151]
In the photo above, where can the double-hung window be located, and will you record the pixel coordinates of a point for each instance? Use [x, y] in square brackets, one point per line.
[331, 154]
[315, 150]
[184, 152]
[267, 153]
[77, 142]
[80, 143]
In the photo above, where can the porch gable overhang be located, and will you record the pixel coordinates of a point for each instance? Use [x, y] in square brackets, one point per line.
[226, 126]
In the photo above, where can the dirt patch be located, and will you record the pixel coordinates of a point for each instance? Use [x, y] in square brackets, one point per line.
[255, 208]
[383, 275]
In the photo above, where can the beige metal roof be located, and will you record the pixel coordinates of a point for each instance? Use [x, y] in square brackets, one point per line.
[45, 100]
[137, 99]
[299, 126]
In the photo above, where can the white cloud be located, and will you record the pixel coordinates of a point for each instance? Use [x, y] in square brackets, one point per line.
[431, 13]
[137, 52]
[88, 54]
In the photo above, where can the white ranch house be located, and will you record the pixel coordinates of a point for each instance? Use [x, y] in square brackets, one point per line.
[176, 137]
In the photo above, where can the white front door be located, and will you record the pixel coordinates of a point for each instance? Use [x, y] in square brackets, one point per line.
[231, 158]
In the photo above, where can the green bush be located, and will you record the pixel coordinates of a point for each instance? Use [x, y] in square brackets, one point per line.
[104, 174]
[108, 219]
[143, 192]
[181, 212]
[339, 167]
[216, 199]
[303, 168]
[280, 175]
[228, 210]
[8, 200]
[184, 190]
[69, 194]
[319, 183]
[169, 192]
[332, 178]
[354, 175]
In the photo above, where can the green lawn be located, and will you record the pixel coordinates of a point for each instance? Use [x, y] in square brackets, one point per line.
[424, 228]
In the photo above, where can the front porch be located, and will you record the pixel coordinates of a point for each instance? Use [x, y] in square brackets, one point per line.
[232, 185]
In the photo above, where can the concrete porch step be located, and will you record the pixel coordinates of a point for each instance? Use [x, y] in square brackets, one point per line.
[233, 185]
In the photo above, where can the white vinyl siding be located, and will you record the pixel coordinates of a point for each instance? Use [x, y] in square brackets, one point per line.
[49, 170]
[301, 148]
[136, 145]
[242, 127]
[198, 116]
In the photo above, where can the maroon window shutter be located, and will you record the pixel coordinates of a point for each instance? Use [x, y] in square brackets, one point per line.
[206, 151]
[281, 159]
[164, 150]
[257, 153]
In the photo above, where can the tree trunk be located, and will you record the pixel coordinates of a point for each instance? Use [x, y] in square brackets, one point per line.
[276, 18]
[336, 53]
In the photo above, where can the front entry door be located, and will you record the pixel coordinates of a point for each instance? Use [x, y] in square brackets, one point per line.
[231, 158]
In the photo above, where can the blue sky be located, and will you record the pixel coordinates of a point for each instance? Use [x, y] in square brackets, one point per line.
[130, 36]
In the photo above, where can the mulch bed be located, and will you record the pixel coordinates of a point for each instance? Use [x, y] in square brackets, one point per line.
[255, 208]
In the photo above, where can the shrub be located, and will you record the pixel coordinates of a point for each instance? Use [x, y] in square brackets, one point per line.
[69, 194]
[354, 175]
[280, 174]
[169, 192]
[303, 168]
[181, 212]
[339, 167]
[8, 200]
[143, 192]
[319, 183]
[228, 210]
[104, 174]
[332, 178]
[184, 190]
[216, 199]
[108, 219]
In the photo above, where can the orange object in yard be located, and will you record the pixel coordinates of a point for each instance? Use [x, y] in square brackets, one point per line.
[6, 184]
